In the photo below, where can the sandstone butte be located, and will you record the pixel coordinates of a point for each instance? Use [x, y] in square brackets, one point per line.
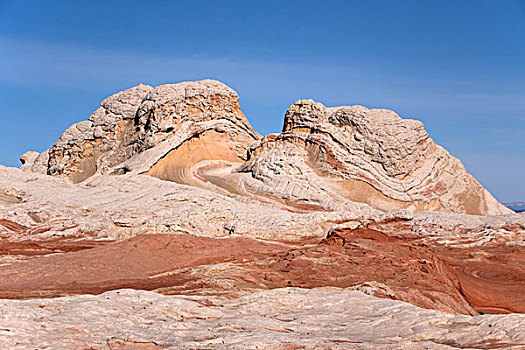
[165, 221]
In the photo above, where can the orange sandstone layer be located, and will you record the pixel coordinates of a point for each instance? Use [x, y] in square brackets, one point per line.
[382, 264]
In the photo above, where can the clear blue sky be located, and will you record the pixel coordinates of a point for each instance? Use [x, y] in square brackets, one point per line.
[458, 66]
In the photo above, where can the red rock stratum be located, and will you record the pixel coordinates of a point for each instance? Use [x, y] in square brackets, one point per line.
[452, 280]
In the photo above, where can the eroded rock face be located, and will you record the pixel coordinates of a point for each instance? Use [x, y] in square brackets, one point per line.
[151, 122]
[365, 155]
[326, 158]
[100, 142]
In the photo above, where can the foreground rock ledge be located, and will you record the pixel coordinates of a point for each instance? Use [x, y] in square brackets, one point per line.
[288, 318]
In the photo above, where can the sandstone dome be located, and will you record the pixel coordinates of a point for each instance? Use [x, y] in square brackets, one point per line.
[325, 158]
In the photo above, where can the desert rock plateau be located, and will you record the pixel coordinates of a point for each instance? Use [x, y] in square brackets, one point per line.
[165, 221]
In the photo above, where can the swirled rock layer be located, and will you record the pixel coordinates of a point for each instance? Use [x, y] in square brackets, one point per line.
[373, 156]
[144, 130]
[170, 190]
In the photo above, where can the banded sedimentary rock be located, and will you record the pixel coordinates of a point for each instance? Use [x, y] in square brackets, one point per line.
[364, 155]
[265, 242]
[143, 129]
[325, 158]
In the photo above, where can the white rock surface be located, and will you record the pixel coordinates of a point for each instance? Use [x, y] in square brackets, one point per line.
[119, 207]
[276, 319]
[149, 122]
[331, 168]
[366, 155]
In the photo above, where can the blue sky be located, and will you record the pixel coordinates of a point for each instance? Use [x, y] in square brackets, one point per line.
[458, 66]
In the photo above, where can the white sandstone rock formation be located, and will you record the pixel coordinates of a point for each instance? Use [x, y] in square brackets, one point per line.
[331, 171]
[142, 125]
[364, 155]
[326, 158]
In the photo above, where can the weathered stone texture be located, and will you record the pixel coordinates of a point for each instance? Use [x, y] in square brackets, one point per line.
[365, 155]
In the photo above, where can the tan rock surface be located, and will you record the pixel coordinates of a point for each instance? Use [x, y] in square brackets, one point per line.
[326, 158]
[119, 207]
[150, 122]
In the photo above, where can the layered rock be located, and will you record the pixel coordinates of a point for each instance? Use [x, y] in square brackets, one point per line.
[345, 199]
[151, 124]
[77, 236]
[325, 159]
[120, 207]
[365, 155]
[235, 266]
[467, 273]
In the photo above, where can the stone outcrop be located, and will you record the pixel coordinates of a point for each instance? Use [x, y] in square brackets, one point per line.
[326, 158]
[365, 155]
[149, 123]
[266, 242]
